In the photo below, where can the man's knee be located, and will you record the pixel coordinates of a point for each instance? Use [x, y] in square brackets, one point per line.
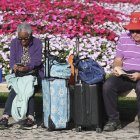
[138, 88]
[108, 85]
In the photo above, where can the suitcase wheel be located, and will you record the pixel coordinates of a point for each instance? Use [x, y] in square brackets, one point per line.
[42, 125]
[98, 130]
[78, 129]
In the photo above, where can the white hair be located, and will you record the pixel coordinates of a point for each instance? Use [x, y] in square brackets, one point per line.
[24, 27]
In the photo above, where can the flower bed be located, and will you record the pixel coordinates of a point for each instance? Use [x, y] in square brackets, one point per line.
[98, 23]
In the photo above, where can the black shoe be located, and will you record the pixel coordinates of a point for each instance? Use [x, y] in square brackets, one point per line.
[112, 126]
[4, 123]
[139, 126]
[139, 123]
[29, 124]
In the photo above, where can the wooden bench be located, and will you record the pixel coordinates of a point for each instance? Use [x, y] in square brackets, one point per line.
[130, 93]
[3, 87]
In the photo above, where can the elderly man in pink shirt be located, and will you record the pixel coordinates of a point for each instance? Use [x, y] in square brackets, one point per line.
[126, 72]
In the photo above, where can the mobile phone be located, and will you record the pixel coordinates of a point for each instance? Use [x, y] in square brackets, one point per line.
[19, 64]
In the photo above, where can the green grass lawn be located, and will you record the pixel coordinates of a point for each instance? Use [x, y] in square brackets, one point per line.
[129, 102]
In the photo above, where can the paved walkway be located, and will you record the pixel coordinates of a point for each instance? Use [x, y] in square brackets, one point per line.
[129, 131]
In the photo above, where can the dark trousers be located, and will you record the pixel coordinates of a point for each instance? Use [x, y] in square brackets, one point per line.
[112, 89]
[8, 104]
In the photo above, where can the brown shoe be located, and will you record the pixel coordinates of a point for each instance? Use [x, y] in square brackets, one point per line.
[29, 124]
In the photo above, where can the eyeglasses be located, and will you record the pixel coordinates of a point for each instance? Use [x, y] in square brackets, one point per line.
[25, 39]
[135, 31]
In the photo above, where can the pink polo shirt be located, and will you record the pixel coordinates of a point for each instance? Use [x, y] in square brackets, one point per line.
[129, 50]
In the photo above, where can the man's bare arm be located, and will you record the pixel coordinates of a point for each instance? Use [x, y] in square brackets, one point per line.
[117, 62]
[117, 66]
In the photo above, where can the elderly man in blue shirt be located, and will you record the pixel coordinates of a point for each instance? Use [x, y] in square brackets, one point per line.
[26, 50]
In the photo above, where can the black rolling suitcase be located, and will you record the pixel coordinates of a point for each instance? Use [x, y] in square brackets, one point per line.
[88, 105]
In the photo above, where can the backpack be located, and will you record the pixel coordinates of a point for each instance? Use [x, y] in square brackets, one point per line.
[89, 71]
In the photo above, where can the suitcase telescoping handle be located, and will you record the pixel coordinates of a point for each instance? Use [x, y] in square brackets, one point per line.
[76, 56]
[77, 46]
[47, 53]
